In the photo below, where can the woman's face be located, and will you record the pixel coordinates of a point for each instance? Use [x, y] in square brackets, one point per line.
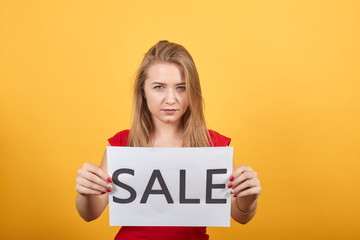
[165, 93]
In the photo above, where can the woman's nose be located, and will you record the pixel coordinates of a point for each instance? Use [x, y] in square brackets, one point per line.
[170, 97]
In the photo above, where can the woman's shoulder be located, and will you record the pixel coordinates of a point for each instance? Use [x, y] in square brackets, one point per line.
[219, 140]
[120, 138]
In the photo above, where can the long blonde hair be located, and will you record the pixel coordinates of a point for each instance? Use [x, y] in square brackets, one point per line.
[195, 131]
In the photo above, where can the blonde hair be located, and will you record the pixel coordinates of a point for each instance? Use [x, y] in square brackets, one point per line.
[195, 131]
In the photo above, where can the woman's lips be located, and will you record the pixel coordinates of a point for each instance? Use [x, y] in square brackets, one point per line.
[169, 111]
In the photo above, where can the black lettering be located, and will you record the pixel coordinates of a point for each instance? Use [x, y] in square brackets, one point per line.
[116, 181]
[210, 185]
[183, 191]
[156, 174]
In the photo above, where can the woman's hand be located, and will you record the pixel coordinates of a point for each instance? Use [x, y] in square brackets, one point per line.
[245, 184]
[92, 180]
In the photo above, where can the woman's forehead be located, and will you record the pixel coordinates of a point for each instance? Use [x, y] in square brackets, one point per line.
[165, 72]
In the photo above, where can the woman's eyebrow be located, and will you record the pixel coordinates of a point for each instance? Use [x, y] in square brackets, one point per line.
[157, 83]
[160, 83]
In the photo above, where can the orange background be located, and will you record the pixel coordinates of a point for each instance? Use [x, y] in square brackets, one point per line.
[281, 78]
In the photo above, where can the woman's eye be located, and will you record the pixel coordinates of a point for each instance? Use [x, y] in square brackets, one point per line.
[182, 88]
[158, 87]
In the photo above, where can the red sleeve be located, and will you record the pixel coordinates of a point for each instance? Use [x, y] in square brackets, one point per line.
[218, 139]
[119, 139]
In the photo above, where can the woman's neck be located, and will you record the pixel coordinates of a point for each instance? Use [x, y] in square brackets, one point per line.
[167, 135]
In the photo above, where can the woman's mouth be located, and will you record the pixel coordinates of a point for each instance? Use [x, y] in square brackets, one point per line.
[169, 111]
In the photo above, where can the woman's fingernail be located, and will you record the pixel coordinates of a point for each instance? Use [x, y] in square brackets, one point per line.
[232, 191]
[109, 186]
[235, 196]
[109, 179]
[231, 178]
[103, 192]
[230, 185]
[108, 190]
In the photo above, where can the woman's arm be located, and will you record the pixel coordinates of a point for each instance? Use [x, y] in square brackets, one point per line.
[246, 189]
[91, 185]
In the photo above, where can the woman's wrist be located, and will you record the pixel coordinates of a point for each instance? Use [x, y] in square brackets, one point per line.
[247, 208]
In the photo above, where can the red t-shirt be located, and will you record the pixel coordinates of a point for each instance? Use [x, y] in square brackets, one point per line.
[164, 233]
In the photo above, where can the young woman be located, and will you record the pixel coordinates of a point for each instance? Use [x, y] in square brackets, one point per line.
[168, 112]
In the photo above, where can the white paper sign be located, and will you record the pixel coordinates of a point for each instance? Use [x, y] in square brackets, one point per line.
[170, 186]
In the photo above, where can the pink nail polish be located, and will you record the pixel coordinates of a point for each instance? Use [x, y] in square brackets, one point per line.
[109, 179]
